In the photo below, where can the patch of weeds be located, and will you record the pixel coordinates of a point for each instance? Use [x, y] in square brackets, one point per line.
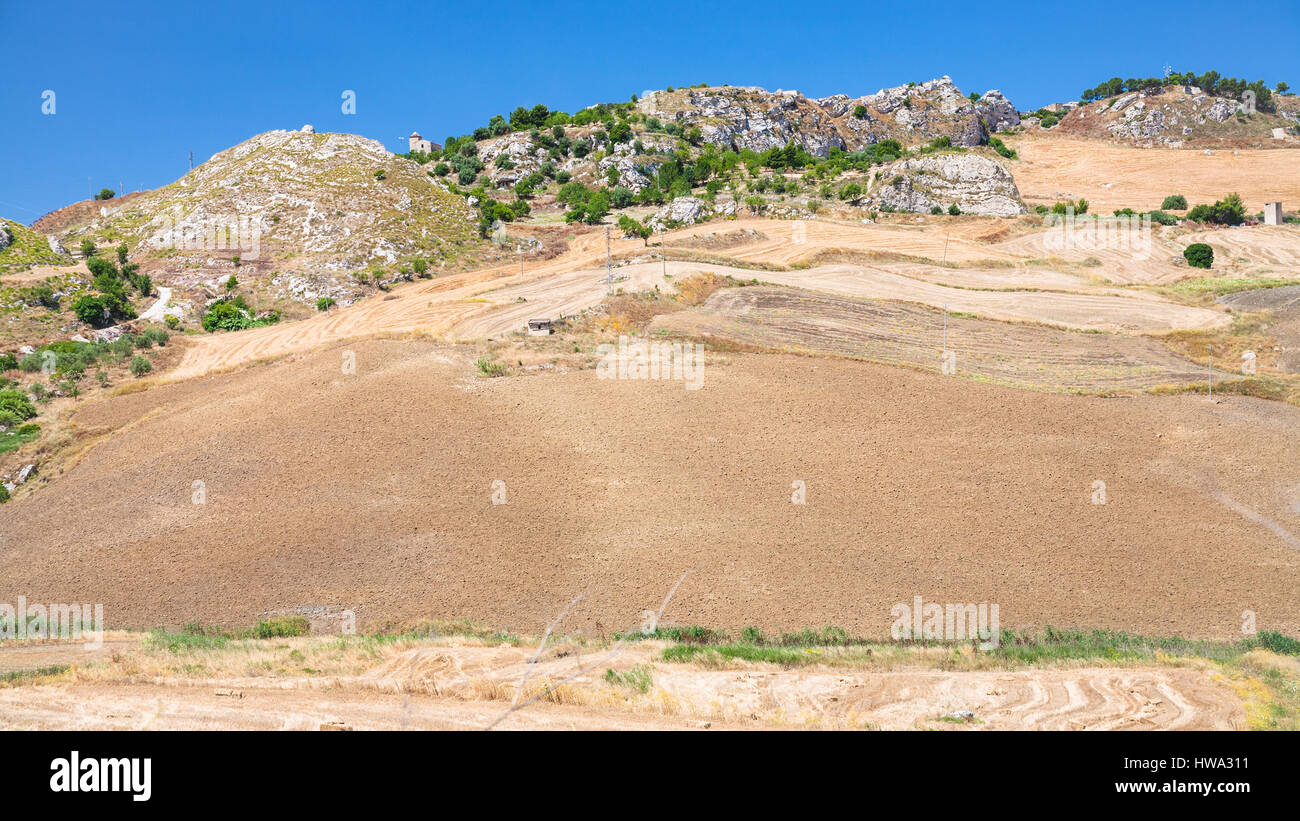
[487, 367]
[281, 626]
[16, 677]
[638, 679]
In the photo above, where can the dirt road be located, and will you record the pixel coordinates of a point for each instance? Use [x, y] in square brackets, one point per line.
[458, 686]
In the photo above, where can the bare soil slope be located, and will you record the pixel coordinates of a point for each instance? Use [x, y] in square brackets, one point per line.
[373, 491]
[1109, 176]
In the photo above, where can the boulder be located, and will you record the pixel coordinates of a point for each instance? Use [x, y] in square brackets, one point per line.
[681, 211]
[976, 184]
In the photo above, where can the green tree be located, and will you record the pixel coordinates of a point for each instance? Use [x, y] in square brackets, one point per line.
[1174, 202]
[597, 207]
[633, 228]
[1199, 255]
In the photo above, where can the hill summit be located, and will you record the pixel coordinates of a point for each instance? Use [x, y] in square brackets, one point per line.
[295, 199]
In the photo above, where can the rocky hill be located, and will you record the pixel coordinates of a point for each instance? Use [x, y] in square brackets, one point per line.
[328, 207]
[756, 119]
[1180, 116]
[22, 247]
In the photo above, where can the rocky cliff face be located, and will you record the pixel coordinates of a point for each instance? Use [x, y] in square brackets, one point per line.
[920, 113]
[756, 119]
[975, 184]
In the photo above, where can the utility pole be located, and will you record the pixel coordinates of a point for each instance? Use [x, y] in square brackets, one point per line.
[191, 160]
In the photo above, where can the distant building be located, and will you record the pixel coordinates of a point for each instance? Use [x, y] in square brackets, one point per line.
[540, 327]
[1272, 213]
[422, 145]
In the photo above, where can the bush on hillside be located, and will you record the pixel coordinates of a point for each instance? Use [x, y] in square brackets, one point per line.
[15, 404]
[1228, 211]
[1199, 255]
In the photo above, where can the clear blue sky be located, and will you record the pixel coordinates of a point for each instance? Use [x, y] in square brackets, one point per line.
[139, 85]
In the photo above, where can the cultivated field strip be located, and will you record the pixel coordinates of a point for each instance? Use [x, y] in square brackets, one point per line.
[903, 333]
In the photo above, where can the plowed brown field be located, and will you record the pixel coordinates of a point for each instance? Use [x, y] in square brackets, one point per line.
[373, 491]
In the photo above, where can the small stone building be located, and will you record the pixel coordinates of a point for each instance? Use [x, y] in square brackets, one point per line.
[1272, 213]
[418, 143]
[540, 327]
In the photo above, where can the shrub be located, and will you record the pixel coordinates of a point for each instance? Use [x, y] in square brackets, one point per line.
[324, 303]
[140, 366]
[620, 197]
[172, 321]
[997, 145]
[92, 309]
[1199, 255]
[860, 112]
[1228, 211]
[4, 494]
[226, 316]
[16, 403]
[40, 296]
[1161, 218]
[122, 346]
[157, 336]
[936, 210]
[87, 247]
[489, 368]
[632, 227]
[8, 362]
[282, 626]
[953, 210]
[1174, 202]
